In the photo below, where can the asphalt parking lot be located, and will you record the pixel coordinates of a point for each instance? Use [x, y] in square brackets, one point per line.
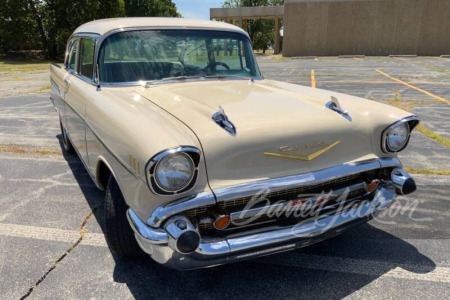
[46, 196]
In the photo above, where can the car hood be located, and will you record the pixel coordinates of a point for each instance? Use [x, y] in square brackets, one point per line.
[282, 129]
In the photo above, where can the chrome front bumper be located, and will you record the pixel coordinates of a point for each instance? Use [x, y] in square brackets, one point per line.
[156, 240]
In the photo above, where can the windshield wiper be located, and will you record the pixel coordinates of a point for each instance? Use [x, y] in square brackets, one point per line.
[227, 76]
[181, 78]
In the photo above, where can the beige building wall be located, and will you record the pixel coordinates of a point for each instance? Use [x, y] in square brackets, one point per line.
[377, 27]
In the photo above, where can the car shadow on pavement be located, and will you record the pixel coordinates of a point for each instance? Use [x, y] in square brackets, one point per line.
[285, 275]
[93, 195]
[351, 261]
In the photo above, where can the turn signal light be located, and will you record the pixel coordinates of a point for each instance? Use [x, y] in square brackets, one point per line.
[222, 222]
[373, 185]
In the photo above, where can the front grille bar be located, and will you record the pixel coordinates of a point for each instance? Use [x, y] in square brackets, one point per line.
[239, 216]
[220, 195]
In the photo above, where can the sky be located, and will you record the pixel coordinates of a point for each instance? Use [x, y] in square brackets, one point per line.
[196, 9]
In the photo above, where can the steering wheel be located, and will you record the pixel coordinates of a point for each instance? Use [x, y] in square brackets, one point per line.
[210, 66]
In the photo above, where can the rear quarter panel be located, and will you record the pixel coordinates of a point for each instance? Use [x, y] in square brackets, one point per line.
[57, 76]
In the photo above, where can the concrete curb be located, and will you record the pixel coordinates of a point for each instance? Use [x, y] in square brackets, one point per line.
[404, 56]
[303, 57]
[352, 56]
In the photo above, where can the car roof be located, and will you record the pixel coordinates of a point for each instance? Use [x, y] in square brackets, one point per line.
[103, 26]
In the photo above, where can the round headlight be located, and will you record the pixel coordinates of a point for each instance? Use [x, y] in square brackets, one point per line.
[174, 172]
[397, 137]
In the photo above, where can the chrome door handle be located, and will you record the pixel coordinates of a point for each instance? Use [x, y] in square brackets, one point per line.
[67, 82]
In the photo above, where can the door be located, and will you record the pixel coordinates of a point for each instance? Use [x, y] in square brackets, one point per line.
[78, 87]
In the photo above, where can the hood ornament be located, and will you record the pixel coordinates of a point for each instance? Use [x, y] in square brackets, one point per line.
[336, 106]
[221, 119]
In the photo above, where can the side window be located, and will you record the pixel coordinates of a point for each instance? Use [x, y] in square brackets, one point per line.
[87, 58]
[73, 56]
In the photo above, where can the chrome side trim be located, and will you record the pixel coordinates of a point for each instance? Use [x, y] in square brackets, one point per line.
[81, 158]
[162, 213]
[412, 122]
[313, 178]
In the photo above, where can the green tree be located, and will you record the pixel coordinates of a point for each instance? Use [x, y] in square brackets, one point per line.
[62, 18]
[111, 9]
[261, 31]
[150, 8]
[17, 26]
[47, 24]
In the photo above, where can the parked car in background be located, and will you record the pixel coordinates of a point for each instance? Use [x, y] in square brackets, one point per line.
[204, 161]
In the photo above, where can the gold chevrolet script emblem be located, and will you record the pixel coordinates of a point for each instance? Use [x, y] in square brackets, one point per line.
[308, 157]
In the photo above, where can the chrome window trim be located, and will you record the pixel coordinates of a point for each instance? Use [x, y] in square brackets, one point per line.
[411, 121]
[94, 39]
[78, 37]
[66, 64]
[151, 83]
[153, 163]
[249, 189]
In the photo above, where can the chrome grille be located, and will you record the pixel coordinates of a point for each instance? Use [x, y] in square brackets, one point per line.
[198, 211]
[293, 192]
[238, 204]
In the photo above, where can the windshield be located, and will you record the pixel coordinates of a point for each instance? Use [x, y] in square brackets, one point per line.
[164, 54]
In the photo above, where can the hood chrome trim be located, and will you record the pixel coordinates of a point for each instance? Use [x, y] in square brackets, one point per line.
[334, 105]
[222, 120]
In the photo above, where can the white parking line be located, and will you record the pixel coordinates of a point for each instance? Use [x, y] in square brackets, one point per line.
[57, 158]
[359, 266]
[51, 234]
[292, 259]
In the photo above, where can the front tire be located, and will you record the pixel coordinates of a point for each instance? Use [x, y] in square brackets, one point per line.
[119, 235]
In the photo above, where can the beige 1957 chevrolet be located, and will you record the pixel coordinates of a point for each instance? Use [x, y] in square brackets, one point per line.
[204, 161]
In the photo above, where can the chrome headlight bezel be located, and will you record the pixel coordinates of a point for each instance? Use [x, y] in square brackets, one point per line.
[409, 123]
[190, 153]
